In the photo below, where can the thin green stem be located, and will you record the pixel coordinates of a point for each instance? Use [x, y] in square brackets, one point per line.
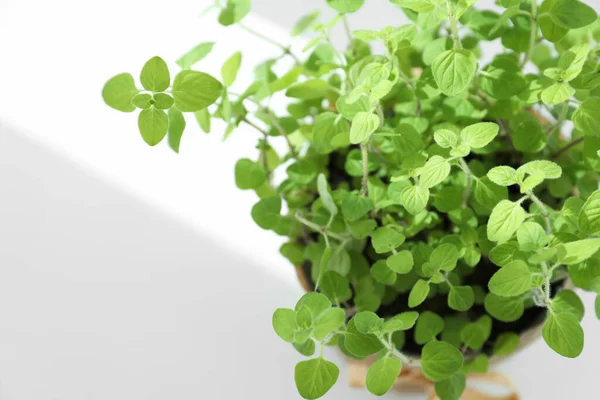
[470, 177]
[347, 29]
[320, 229]
[281, 131]
[544, 210]
[566, 148]
[453, 25]
[267, 39]
[396, 353]
[547, 275]
[532, 34]
[364, 190]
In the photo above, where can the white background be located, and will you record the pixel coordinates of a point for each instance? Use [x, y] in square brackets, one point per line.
[133, 273]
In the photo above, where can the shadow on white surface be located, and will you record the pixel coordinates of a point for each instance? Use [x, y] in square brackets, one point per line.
[104, 297]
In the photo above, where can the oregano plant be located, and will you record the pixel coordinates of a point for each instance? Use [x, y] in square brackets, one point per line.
[436, 205]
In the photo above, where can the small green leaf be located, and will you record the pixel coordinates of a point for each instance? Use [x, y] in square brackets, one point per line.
[195, 55]
[418, 293]
[506, 343]
[568, 301]
[355, 207]
[382, 375]
[446, 138]
[316, 303]
[587, 117]
[511, 280]
[335, 287]
[589, 216]
[461, 298]
[414, 199]
[445, 257]
[266, 213]
[249, 174]
[305, 22]
[195, 90]
[571, 14]
[163, 101]
[119, 91]
[386, 239]
[176, 128]
[597, 306]
[504, 221]
[230, 69]
[547, 169]
[453, 70]
[363, 126]
[503, 176]
[234, 11]
[475, 334]
[382, 274]
[479, 135]
[429, 325]
[531, 236]
[557, 93]
[421, 6]
[434, 172]
[358, 344]
[451, 388]
[576, 252]
[326, 198]
[440, 361]
[315, 377]
[345, 6]
[155, 75]
[203, 119]
[563, 334]
[401, 322]
[505, 309]
[307, 348]
[284, 323]
[309, 90]
[367, 322]
[142, 100]
[327, 322]
[401, 262]
[153, 125]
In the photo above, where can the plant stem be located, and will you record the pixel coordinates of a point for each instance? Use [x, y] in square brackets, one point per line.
[267, 39]
[364, 190]
[405, 359]
[574, 143]
[453, 25]
[319, 228]
[281, 131]
[347, 29]
[467, 193]
[532, 34]
[547, 275]
[545, 212]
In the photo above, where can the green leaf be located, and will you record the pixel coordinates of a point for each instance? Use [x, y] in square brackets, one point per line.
[163, 101]
[305, 22]
[401, 322]
[478, 365]
[511, 280]
[479, 135]
[176, 128]
[358, 344]
[195, 55]
[414, 199]
[434, 172]
[453, 71]
[327, 126]
[547, 169]
[142, 100]
[503, 176]
[195, 90]
[345, 6]
[505, 309]
[327, 322]
[203, 119]
[155, 75]
[401, 262]
[461, 298]
[309, 90]
[587, 117]
[475, 334]
[355, 207]
[445, 257]
[451, 388]
[571, 14]
[119, 91]
[362, 228]
[421, 6]
[429, 325]
[557, 93]
[363, 126]
[446, 138]
[335, 287]
[440, 361]
[578, 251]
[563, 334]
[316, 303]
[488, 194]
[386, 239]
[367, 322]
[589, 216]
[418, 293]
[382, 375]
[249, 174]
[266, 213]
[234, 11]
[307, 348]
[231, 67]
[531, 236]
[597, 306]
[153, 125]
[382, 274]
[504, 221]
[506, 344]
[284, 323]
[315, 377]
[572, 60]
[568, 301]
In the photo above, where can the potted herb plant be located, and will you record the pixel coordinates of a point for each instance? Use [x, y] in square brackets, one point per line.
[437, 208]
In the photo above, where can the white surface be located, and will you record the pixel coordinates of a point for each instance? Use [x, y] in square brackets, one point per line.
[116, 262]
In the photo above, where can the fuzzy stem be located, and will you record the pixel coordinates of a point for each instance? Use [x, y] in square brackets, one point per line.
[453, 25]
[532, 34]
[319, 228]
[364, 190]
[467, 193]
[281, 131]
[545, 212]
